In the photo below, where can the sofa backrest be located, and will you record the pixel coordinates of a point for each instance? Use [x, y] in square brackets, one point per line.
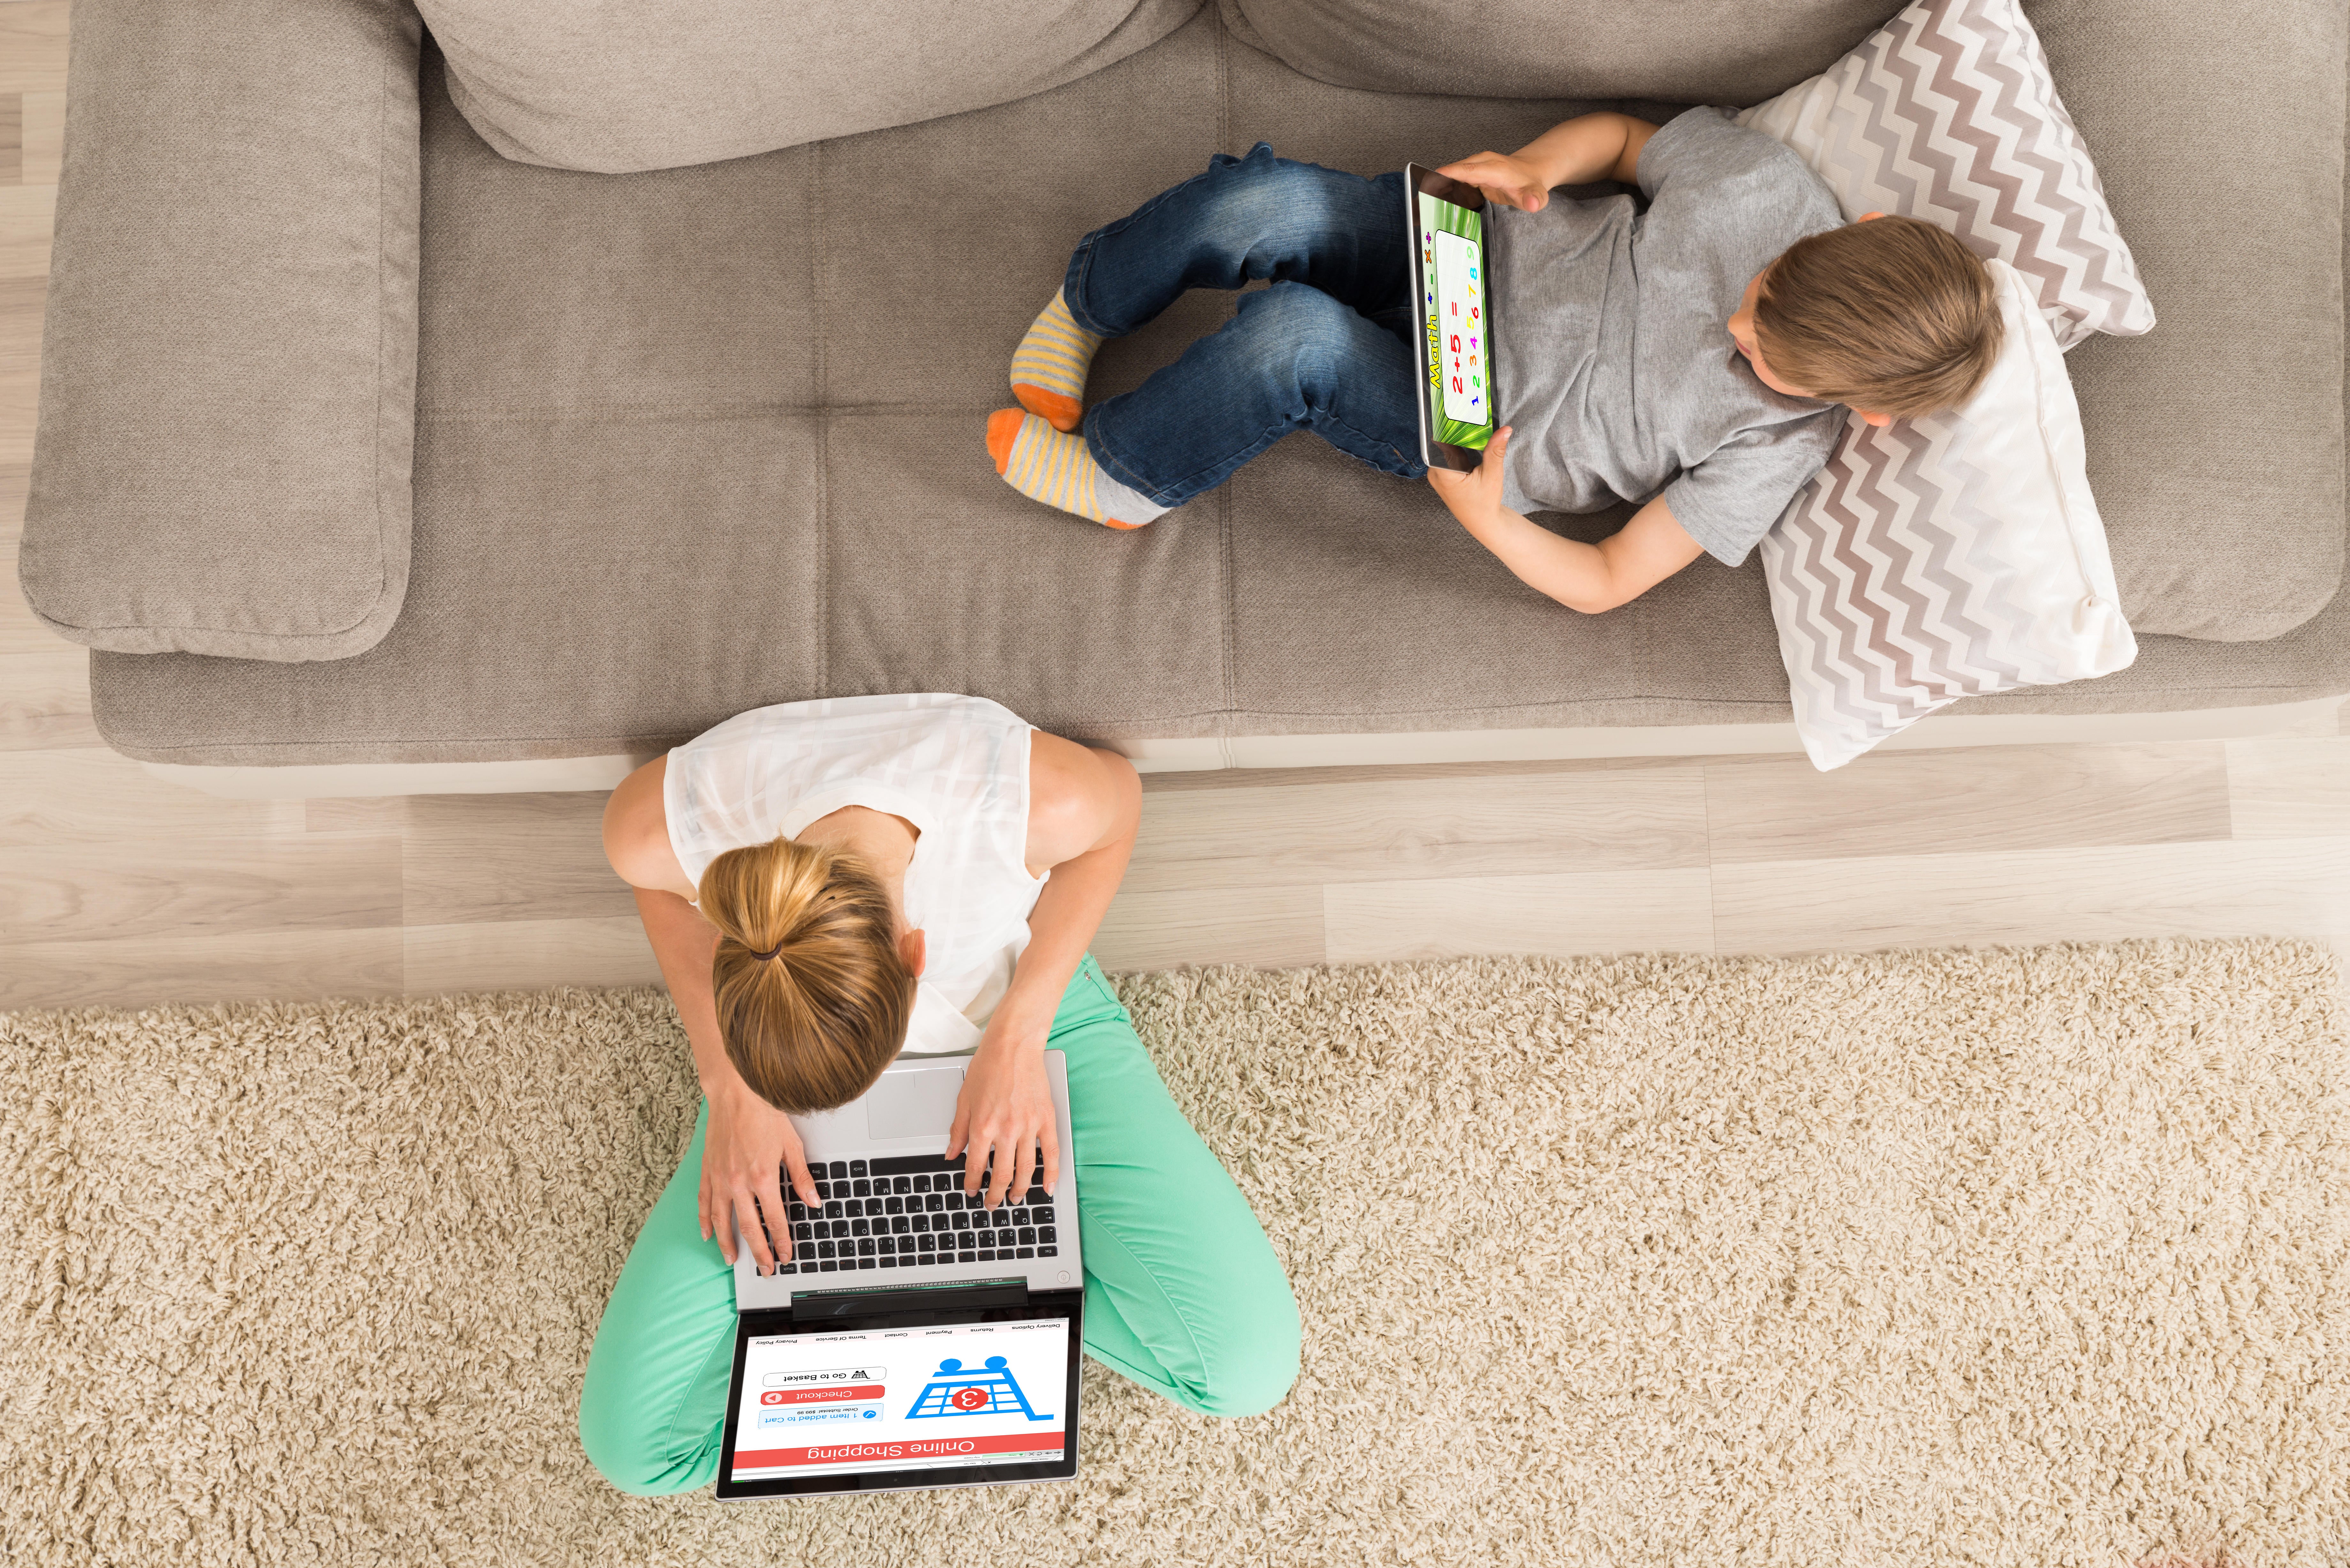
[616, 86]
[1684, 51]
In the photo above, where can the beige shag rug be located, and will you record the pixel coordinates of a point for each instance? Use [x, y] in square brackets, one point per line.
[2030, 1257]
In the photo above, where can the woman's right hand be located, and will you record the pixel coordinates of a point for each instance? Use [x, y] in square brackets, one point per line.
[748, 1147]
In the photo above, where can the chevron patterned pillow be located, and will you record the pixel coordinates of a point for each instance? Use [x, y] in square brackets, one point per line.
[1947, 113]
[1947, 557]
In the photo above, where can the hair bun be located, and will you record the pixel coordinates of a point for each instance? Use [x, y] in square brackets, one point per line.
[814, 1030]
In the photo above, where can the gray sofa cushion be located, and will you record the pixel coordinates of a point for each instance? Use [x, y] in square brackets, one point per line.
[228, 374]
[1690, 51]
[586, 84]
[674, 461]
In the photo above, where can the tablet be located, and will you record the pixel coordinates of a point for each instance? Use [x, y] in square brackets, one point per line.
[1446, 221]
[949, 1395]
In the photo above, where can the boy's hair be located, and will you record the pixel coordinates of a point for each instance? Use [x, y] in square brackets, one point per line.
[1893, 316]
[813, 996]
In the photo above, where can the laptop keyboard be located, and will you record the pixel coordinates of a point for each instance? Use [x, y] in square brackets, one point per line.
[907, 1212]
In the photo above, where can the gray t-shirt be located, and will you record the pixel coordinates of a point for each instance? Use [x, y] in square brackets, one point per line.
[1617, 368]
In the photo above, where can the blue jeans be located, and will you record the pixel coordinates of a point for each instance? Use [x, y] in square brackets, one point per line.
[1328, 347]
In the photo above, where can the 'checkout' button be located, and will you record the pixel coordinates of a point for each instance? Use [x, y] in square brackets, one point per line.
[846, 1393]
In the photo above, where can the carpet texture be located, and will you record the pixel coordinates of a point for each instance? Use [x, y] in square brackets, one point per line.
[2027, 1256]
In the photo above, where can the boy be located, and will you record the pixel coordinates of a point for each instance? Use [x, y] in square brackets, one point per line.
[1610, 357]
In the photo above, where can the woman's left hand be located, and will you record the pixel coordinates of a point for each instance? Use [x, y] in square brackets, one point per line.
[1006, 1107]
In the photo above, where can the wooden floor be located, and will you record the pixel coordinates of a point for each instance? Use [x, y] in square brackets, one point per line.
[115, 887]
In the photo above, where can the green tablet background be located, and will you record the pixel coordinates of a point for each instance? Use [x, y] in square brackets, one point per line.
[1452, 311]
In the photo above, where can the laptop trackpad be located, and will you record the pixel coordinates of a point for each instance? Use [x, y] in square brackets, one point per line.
[913, 1105]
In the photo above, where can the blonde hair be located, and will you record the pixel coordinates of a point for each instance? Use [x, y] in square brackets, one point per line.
[812, 994]
[1893, 316]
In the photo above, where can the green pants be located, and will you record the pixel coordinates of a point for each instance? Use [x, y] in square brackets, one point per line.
[1182, 1292]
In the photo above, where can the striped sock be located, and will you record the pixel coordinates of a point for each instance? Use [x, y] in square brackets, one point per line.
[1054, 467]
[1048, 369]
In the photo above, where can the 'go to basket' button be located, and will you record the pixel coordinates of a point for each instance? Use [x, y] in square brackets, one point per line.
[837, 1395]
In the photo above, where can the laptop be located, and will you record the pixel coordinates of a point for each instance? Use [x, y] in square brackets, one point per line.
[1452, 280]
[908, 1337]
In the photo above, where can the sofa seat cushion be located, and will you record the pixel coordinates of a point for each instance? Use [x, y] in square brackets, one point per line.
[660, 84]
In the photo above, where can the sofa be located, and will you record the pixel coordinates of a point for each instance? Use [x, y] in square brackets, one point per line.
[377, 453]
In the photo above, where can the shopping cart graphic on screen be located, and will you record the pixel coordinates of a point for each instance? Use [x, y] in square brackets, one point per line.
[991, 1391]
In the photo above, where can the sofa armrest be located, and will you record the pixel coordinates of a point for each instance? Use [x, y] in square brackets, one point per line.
[228, 374]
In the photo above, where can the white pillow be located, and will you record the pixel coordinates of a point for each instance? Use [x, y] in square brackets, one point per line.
[1947, 113]
[1947, 557]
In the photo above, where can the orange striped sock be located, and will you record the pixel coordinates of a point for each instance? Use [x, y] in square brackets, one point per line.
[1048, 369]
[1054, 467]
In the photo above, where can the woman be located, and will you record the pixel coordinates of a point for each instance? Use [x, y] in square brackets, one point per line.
[828, 883]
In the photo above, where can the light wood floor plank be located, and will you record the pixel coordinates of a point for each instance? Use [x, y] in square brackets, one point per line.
[171, 888]
[23, 305]
[1989, 798]
[12, 139]
[33, 46]
[20, 391]
[2281, 887]
[474, 858]
[22, 301]
[361, 813]
[45, 699]
[1267, 927]
[239, 966]
[97, 797]
[524, 955]
[1559, 914]
[2289, 786]
[1374, 830]
[15, 479]
[20, 631]
[45, 137]
[28, 214]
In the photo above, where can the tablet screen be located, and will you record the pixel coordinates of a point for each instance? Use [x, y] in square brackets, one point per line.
[942, 1398]
[1454, 303]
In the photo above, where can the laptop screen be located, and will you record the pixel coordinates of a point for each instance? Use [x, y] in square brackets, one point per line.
[900, 1400]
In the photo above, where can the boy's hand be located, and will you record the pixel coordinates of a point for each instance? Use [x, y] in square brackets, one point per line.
[1509, 180]
[1474, 497]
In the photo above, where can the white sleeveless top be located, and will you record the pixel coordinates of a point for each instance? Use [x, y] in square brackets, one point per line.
[955, 767]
